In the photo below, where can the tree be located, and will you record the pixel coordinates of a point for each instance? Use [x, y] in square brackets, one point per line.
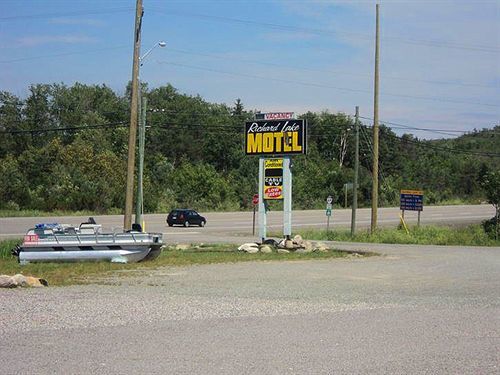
[491, 185]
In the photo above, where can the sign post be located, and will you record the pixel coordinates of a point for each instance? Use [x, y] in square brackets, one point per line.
[411, 200]
[287, 202]
[255, 201]
[329, 202]
[262, 207]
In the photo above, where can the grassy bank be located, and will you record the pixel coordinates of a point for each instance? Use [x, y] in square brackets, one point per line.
[83, 273]
[472, 235]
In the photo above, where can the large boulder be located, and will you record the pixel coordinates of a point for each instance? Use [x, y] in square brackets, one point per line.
[19, 280]
[266, 249]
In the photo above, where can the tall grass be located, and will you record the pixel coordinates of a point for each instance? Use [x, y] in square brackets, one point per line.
[472, 235]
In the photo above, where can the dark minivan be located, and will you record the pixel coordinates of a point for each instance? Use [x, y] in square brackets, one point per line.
[185, 217]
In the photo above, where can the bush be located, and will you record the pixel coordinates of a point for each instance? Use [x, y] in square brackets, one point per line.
[490, 227]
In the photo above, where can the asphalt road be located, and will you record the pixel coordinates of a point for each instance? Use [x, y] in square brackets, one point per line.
[414, 310]
[221, 225]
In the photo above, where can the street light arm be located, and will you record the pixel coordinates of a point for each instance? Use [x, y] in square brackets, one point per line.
[141, 59]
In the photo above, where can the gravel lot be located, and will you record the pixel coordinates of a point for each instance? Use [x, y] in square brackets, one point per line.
[413, 310]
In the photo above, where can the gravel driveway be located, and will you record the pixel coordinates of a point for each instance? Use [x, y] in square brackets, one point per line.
[415, 309]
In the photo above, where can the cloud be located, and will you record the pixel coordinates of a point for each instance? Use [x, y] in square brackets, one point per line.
[76, 21]
[32, 41]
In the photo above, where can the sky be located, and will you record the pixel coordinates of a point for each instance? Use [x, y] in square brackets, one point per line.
[439, 60]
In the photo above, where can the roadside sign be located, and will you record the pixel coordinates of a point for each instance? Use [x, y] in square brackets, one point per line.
[274, 116]
[411, 200]
[329, 200]
[275, 137]
[328, 212]
[329, 206]
[273, 179]
[255, 199]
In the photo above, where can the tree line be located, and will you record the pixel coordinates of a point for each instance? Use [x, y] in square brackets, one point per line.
[65, 148]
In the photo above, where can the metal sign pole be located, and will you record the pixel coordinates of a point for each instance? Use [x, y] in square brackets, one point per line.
[287, 198]
[262, 208]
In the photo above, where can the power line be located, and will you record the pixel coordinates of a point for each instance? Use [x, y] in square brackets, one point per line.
[66, 14]
[265, 63]
[428, 43]
[62, 54]
[303, 83]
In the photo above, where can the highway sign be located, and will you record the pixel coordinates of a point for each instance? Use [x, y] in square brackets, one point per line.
[328, 212]
[329, 200]
[411, 200]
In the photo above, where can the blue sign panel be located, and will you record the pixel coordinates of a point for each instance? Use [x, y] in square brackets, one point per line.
[411, 200]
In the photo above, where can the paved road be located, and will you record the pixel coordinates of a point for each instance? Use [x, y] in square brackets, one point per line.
[221, 225]
[414, 310]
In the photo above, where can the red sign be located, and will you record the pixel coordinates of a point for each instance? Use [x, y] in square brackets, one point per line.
[273, 192]
[31, 238]
[255, 199]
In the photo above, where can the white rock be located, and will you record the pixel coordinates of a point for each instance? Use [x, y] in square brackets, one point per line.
[298, 240]
[266, 249]
[321, 247]
[289, 244]
[182, 246]
[250, 247]
[283, 251]
[308, 246]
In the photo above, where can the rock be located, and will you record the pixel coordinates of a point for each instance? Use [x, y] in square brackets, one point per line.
[298, 240]
[301, 251]
[308, 246]
[270, 242]
[22, 281]
[321, 247]
[283, 251]
[266, 249]
[182, 246]
[250, 247]
[289, 244]
[281, 244]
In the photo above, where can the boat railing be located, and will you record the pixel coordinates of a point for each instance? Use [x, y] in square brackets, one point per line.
[102, 238]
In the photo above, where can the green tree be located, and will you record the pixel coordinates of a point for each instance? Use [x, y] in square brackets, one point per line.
[491, 185]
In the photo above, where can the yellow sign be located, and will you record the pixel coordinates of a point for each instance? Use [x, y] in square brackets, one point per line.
[275, 137]
[412, 192]
[273, 179]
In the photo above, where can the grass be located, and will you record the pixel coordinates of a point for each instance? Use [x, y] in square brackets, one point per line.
[472, 235]
[85, 272]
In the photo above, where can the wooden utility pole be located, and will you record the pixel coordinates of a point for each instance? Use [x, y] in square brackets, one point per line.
[375, 131]
[132, 139]
[356, 168]
[139, 208]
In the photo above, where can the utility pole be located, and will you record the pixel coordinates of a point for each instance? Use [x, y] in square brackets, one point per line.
[356, 168]
[375, 130]
[132, 140]
[140, 172]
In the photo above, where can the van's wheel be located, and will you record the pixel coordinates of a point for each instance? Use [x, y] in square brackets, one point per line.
[202, 224]
[170, 224]
[186, 223]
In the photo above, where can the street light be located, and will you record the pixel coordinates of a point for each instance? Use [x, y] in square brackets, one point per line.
[159, 44]
[139, 209]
